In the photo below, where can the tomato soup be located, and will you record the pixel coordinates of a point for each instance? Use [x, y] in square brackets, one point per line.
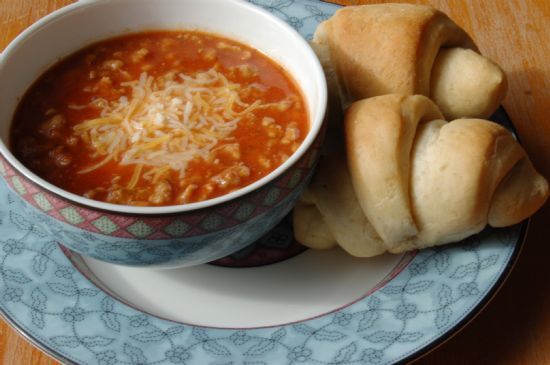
[159, 118]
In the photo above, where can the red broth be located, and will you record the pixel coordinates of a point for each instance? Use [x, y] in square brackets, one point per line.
[159, 118]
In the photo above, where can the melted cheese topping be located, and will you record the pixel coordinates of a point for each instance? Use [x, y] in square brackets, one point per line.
[166, 123]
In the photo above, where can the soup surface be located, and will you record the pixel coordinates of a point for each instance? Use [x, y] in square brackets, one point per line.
[159, 118]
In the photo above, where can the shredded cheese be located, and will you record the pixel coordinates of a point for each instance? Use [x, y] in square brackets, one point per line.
[166, 123]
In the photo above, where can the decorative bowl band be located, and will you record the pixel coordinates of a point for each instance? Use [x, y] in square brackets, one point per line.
[184, 239]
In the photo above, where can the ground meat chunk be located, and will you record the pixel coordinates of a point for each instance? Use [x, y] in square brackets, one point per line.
[162, 193]
[231, 176]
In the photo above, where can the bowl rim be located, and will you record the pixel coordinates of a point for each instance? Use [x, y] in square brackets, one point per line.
[316, 122]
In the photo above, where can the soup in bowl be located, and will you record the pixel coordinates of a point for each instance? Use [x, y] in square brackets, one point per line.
[170, 135]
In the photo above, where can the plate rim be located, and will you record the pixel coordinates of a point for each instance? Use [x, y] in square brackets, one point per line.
[418, 353]
[495, 288]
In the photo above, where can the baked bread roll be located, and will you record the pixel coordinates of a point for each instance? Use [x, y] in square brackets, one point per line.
[466, 84]
[379, 139]
[334, 114]
[411, 49]
[329, 212]
[418, 180]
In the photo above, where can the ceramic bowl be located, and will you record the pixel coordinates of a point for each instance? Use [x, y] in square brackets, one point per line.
[170, 236]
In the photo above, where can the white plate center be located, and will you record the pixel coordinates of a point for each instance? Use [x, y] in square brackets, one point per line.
[308, 285]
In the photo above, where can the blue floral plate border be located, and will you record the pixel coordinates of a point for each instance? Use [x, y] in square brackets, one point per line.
[60, 311]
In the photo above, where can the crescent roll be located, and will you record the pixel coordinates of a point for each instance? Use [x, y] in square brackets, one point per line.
[379, 141]
[329, 213]
[411, 49]
[408, 179]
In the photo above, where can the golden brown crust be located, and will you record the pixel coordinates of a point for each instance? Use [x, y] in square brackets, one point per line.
[337, 212]
[464, 83]
[379, 137]
[456, 168]
[407, 178]
[310, 228]
[415, 180]
[521, 193]
[334, 113]
[411, 49]
[388, 48]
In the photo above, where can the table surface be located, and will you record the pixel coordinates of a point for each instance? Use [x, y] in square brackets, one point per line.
[514, 328]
